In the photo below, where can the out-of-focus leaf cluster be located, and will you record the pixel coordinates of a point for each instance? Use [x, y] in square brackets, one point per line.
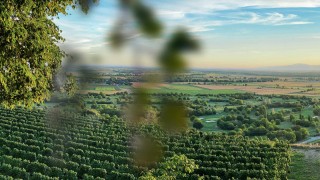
[147, 151]
[85, 5]
[146, 19]
[173, 116]
[143, 16]
[171, 58]
[137, 110]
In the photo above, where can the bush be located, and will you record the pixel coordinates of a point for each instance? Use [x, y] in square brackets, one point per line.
[198, 124]
[98, 172]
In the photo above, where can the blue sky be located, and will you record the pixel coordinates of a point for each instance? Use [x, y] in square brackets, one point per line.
[234, 33]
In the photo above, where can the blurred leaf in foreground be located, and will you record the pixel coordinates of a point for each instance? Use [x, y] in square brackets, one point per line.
[136, 18]
[173, 116]
[147, 151]
[171, 58]
[85, 5]
[137, 111]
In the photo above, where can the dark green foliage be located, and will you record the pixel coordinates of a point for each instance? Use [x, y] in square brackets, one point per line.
[171, 58]
[197, 124]
[85, 5]
[29, 55]
[173, 116]
[287, 135]
[316, 111]
[98, 172]
[146, 19]
[89, 149]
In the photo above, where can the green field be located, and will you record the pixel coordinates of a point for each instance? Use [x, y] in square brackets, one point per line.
[315, 142]
[105, 88]
[285, 125]
[305, 165]
[210, 123]
[192, 90]
[66, 145]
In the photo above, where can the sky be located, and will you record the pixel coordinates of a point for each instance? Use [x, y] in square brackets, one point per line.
[233, 33]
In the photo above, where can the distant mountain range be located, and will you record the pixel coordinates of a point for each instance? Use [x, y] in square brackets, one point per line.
[291, 68]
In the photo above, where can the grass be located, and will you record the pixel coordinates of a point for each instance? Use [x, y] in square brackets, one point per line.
[285, 125]
[105, 88]
[307, 111]
[305, 164]
[315, 142]
[182, 87]
[312, 131]
[194, 92]
[210, 123]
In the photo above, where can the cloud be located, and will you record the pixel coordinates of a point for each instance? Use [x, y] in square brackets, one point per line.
[209, 6]
[206, 15]
[171, 14]
[81, 41]
[88, 33]
[297, 23]
[274, 18]
[197, 29]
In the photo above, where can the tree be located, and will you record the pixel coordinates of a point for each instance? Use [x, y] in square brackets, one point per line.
[176, 167]
[288, 135]
[29, 55]
[301, 133]
[292, 118]
[70, 85]
[257, 131]
[198, 124]
[316, 111]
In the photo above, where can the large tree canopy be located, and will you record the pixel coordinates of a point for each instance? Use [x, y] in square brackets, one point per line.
[29, 55]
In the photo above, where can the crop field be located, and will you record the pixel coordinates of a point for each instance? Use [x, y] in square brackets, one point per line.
[315, 92]
[290, 84]
[252, 89]
[149, 85]
[193, 90]
[159, 90]
[305, 165]
[105, 89]
[182, 88]
[41, 145]
[224, 121]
